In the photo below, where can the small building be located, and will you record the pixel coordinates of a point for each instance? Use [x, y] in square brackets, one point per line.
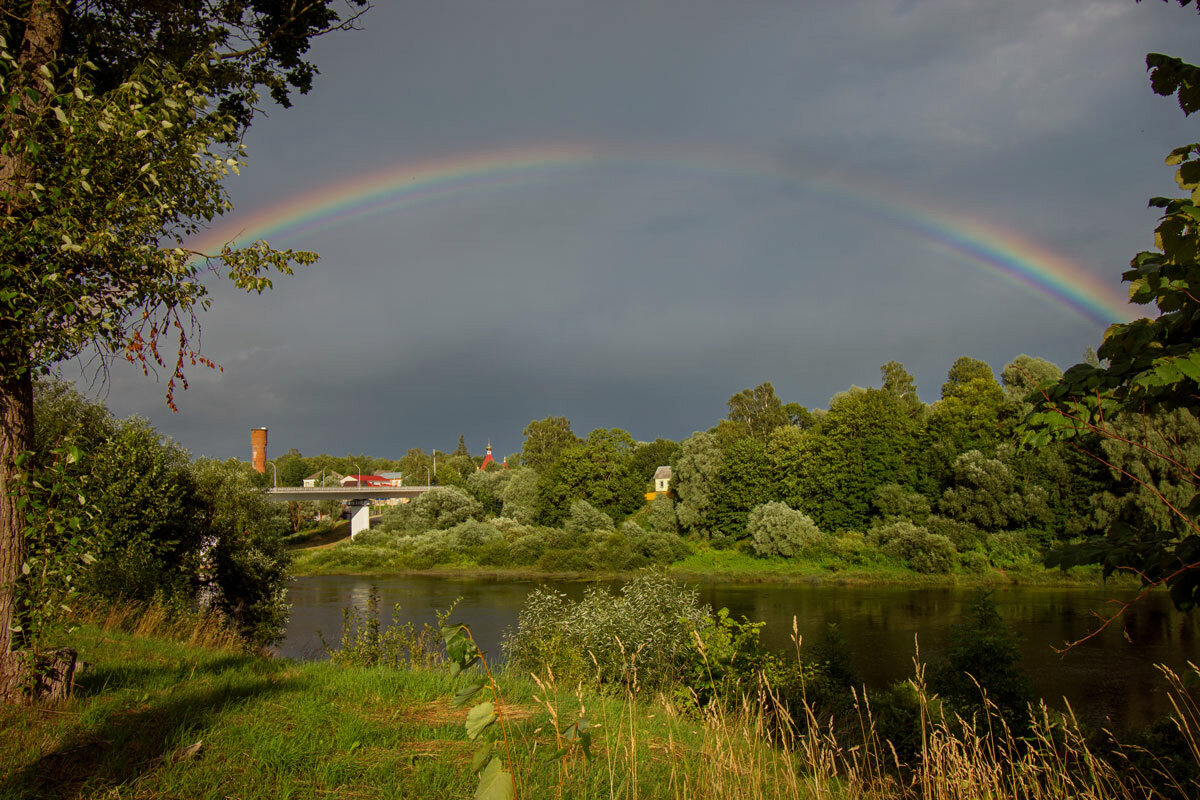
[662, 479]
[393, 478]
[662, 483]
[365, 480]
[318, 478]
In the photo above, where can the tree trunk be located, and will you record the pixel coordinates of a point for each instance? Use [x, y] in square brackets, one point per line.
[16, 436]
[40, 45]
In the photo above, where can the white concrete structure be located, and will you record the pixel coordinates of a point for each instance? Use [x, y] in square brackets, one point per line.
[358, 498]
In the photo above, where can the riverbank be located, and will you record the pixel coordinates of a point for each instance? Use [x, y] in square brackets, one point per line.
[154, 717]
[703, 564]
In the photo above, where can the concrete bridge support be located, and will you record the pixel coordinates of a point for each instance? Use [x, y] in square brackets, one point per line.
[360, 517]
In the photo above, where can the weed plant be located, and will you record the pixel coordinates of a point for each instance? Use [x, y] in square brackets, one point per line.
[366, 642]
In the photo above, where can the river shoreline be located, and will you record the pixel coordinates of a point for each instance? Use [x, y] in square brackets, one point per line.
[1081, 578]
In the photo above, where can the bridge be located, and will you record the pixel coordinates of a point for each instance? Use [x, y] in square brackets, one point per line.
[358, 497]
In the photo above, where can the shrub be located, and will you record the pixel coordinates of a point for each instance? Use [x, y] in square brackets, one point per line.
[984, 654]
[974, 561]
[963, 535]
[777, 530]
[527, 549]
[662, 515]
[520, 496]
[894, 503]
[443, 507]
[615, 552]
[575, 559]
[367, 643]
[585, 518]
[472, 533]
[1011, 549]
[506, 525]
[496, 553]
[647, 626]
[917, 548]
[851, 547]
[659, 547]
[428, 549]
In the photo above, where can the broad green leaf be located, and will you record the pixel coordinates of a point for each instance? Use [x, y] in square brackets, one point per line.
[495, 783]
[467, 692]
[479, 719]
[482, 755]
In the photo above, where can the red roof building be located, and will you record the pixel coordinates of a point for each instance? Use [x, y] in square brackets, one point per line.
[365, 480]
[487, 459]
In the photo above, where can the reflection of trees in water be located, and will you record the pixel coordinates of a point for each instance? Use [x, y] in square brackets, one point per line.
[1104, 677]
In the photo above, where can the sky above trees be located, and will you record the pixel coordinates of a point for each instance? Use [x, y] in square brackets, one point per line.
[755, 204]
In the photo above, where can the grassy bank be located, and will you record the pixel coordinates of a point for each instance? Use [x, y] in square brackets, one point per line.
[157, 718]
[704, 563]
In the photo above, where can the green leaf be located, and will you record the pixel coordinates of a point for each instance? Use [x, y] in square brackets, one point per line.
[481, 756]
[467, 692]
[495, 783]
[479, 719]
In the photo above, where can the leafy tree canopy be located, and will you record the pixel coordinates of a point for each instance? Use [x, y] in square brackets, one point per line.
[758, 409]
[545, 440]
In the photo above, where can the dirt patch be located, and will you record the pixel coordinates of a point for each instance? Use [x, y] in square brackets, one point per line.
[441, 713]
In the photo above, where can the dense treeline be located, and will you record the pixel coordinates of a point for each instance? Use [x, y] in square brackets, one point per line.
[157, 525]
[933, 485]
[877, 478]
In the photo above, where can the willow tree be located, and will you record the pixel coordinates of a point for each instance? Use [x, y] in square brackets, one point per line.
[120, 121]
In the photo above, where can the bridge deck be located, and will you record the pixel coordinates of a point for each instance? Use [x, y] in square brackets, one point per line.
[288, 493]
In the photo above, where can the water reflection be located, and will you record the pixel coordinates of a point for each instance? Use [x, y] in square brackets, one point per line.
[1109, 680]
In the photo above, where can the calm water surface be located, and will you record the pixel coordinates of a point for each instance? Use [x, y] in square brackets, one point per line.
[1110, 680]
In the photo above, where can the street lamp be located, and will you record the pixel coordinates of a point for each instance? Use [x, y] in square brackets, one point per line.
[275, 472]
[428, 479]
[360, 474]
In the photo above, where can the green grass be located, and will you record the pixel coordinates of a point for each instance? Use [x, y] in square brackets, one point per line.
[155, 718]
[273, 728]
[705, 562]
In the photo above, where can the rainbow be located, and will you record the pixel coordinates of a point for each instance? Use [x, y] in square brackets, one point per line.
[1003, 253]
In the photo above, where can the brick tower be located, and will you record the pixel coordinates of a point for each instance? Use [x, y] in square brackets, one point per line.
[258, 449]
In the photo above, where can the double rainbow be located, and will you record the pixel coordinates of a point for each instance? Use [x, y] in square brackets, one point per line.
[1003, 253]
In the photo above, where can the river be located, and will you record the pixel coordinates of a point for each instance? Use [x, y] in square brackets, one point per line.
[1111, 680]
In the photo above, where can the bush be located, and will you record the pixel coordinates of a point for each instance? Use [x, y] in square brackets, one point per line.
[659, 547]
[527, 549]
[777, 530]
[974, 561]
[852, 548]
[647, 627]
[614, 552]
[585, 518]
[496, 553]
[1011, 550]
[662, 515]
[916, 548]
[429, 549]
[520, 496]
[963, 535]
[473, 533]
[984, 655]
[440, 508]
[895, 503]
[575, 559]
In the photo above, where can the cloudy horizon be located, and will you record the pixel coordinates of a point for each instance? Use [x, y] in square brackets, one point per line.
[762, 191]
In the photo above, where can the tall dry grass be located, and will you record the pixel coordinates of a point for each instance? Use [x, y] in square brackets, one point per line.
[207, 629]
[756, 748]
